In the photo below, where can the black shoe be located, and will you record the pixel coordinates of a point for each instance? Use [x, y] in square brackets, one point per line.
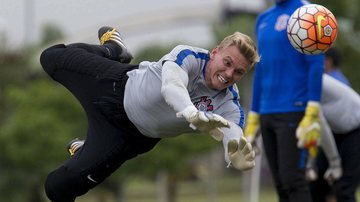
[108, 34]
[74, 145]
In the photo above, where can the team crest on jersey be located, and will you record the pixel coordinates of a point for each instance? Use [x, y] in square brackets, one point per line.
[281, 22]
[204, 104]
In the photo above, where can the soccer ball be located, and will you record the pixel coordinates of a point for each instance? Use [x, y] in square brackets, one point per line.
[312, 29]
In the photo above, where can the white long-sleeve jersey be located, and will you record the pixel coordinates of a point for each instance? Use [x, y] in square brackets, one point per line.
[340, 105]
[154, 116]
[340, 113]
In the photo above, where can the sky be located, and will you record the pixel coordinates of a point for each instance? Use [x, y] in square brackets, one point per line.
[141, 22]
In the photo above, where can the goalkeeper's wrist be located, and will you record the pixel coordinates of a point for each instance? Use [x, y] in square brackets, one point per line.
[190, 108]
[253, 117]
[253, 113]
[312, 103]
[335, 162]
[187, 112]
[312, 108]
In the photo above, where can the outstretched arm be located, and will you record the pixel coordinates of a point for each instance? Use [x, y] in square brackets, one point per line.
[238, 152]
[174, 86]
[174, 90]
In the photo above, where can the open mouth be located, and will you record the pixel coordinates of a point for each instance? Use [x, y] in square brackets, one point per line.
[222, 79]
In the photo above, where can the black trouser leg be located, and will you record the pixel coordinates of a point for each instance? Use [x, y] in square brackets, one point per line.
[278, 132]
[349, 149]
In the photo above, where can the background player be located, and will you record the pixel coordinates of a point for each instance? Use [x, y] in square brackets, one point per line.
[285, 102]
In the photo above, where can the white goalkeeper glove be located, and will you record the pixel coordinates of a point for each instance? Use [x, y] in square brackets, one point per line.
[308, 131]
[334, 172]
[240, 154]
[204, 121]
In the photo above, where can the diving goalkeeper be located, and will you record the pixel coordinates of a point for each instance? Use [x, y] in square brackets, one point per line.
[130, 108]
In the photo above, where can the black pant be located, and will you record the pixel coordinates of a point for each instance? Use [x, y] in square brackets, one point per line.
[98, 83]
[345, 188]
[286, 161]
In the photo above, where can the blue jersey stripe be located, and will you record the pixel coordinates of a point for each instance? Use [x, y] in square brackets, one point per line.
[203, 72]
[186, 52]
[236, 102]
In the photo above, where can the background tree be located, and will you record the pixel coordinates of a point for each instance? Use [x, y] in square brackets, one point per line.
[43, 118]
[51, 33]
[30, 107]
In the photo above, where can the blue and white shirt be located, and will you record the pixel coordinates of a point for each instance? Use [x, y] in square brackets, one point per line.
[154, 117]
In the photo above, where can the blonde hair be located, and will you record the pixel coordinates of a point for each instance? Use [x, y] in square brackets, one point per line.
[245, 45]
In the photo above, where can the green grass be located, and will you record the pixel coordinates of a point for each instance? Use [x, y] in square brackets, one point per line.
[229, 189]
[225, 189]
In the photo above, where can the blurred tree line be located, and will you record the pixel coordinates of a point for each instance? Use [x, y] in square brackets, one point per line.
[38, 117]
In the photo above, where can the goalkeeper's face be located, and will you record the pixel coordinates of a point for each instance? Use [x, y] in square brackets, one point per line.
[225, 67]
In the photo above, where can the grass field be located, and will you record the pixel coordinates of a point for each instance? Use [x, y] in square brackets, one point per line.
[228, 189]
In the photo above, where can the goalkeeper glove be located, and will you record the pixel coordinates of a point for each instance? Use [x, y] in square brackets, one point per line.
[334, 172]
[308, 131]
[252, 126]
[240, 154]
[204, 121]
